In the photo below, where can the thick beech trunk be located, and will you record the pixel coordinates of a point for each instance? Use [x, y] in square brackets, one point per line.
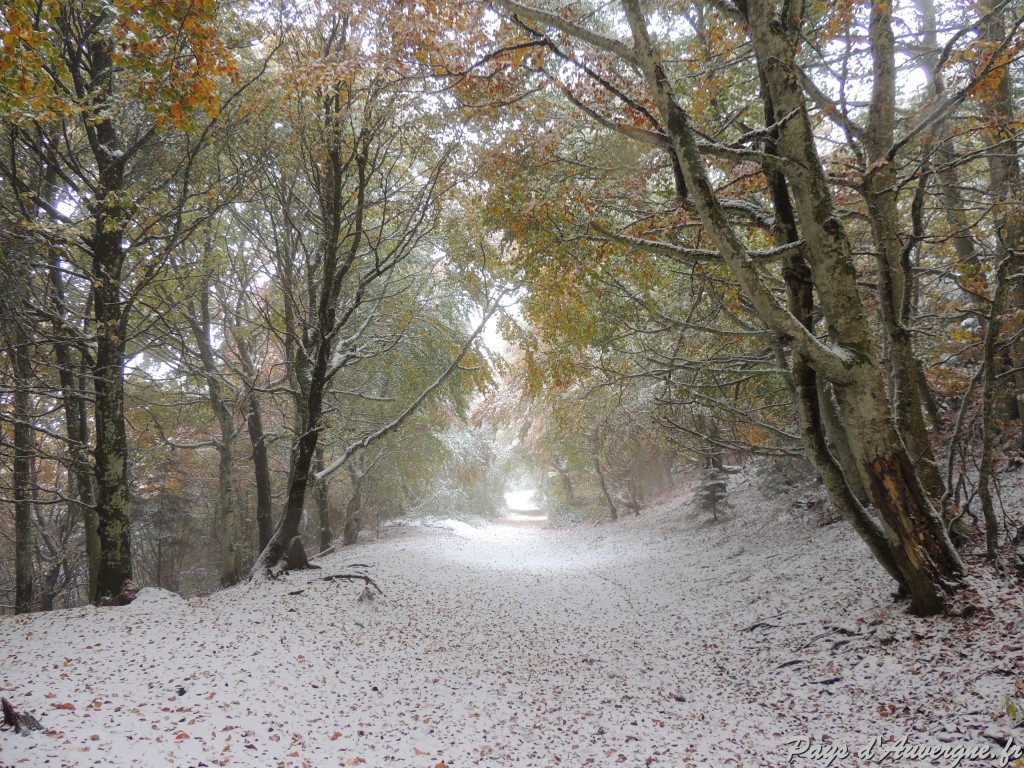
[112, 502]
[921, 546]
[895, 277]
[922, 551]
[818, 415]
[105, 245]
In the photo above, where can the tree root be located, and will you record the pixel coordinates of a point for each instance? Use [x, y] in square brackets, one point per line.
[21, 722]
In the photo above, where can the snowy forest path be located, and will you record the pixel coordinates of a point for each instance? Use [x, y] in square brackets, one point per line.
[659, 640]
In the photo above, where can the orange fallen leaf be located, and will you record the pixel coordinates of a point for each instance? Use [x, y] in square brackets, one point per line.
[336, 735]
[66, 705]
[181, 736]
[419, 751]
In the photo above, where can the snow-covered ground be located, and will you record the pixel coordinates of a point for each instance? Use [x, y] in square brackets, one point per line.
[659, 640]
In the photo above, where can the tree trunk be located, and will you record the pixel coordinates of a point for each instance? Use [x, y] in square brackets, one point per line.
[227, 511]
[355, 501]
[106, 246]
[229, 561]
[612, 510]
[1004, 186]
[921, 546]
[261, 470]
[839, 441]
[816, 409]
[923, 552]
[565, 479]
[275, 553]
[323, 504]
[988, 402]
[24, 445]
[895, 277]
[258, 441]
[112, 502]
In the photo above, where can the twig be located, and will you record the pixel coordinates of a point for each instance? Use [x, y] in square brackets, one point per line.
[354, 577]
[791, 663]
[761, 623]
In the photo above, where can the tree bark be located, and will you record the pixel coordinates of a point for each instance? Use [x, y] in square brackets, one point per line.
[816, 409]
[895, 277]
[612, 510]
[24, 446]
[357, 475]
[82, 493]
[261, 471]
[839, 441]
[565, 478]
[988, 402]
[258, 441]
[922, 549]
[227, 511]
[1004, 186]
[106, 247]
[323, 504]
[112, 502]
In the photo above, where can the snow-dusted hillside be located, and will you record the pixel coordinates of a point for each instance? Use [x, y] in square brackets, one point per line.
[660, 640]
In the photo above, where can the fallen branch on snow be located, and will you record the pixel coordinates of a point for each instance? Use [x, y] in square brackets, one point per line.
[762, 624]
[355, 577]
[832, 631]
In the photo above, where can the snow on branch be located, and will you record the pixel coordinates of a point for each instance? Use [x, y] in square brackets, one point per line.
[391, 426]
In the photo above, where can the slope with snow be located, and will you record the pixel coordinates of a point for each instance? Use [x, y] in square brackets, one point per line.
[660, 640]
